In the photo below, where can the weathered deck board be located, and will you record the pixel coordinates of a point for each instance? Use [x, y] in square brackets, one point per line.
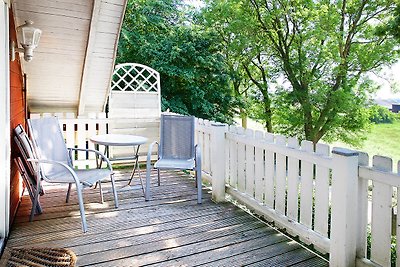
[170, 230]
[234, 254]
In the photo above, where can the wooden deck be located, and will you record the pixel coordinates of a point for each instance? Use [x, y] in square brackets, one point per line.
[169, 230]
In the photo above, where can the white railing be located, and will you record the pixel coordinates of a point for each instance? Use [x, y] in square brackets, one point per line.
[378, 190]
[264, 172]
[324, 197]
[203, 135]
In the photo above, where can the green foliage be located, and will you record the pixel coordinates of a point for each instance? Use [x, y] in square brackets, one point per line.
[164, 36]
[256, 111]
[393, 252]
[349, 124]
[324, 48]
[321, 50]
[301, 67]
[243, 51]
[225, 19]
[379, 114]
[392, 27]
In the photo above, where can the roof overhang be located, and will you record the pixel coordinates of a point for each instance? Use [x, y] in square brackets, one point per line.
[72, 66]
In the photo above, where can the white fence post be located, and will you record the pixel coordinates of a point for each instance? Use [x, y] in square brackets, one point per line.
[218, 161]
[344, 207]
[362, 220]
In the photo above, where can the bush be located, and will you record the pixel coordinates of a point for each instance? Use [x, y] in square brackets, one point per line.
[379, 114]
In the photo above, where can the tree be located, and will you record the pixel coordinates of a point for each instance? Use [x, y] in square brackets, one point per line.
[164, 35]
[379, 114]
[324, 49]
[248, 72]
[222, 18]
[257, 69]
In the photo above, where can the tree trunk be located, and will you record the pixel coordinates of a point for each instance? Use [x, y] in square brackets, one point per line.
[268, 112]
[243, 117]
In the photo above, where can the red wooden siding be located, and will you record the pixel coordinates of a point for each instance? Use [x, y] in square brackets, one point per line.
[17, 115]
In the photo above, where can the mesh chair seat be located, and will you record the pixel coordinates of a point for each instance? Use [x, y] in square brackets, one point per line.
[179, 164]
[86, 177]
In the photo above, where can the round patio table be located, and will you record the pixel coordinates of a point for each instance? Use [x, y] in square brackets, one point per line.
[134, 141]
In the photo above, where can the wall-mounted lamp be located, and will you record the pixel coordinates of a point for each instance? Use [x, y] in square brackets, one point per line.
[28, 36]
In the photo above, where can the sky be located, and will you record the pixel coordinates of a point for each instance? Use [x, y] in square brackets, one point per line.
[196, 3]
[392, 75]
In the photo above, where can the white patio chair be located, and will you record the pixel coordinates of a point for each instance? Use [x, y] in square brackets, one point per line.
[176, 150]
[54, 162]
[27, 168]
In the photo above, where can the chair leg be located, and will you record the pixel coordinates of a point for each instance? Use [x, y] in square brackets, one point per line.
[81, 207]
[159, 178]
[141, 182]
[147, 190]
[34, 204]
[68, 192]
[198, 182]
[114, 190]
[101, 192]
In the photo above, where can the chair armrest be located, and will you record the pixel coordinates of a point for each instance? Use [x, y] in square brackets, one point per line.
[197, 153]
[151, 150]
[68, 168]
[103, 157]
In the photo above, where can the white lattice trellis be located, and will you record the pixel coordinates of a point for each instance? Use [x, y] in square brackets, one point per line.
[135, 77]
[134, 104]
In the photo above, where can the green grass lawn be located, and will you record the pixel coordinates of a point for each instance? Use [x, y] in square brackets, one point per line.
[383, 139]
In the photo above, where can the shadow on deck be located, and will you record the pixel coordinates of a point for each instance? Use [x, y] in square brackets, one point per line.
[169, 230]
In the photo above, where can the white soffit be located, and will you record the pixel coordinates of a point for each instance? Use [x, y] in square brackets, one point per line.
[72, 65]
[105, 27]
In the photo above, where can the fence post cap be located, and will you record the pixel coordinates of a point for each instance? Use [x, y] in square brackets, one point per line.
[344, 152]
[218, 124]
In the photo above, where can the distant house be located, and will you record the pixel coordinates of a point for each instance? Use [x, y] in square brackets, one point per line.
[393, 104]
[395, 108]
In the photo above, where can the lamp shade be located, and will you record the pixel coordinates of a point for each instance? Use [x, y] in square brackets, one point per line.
[28, 36]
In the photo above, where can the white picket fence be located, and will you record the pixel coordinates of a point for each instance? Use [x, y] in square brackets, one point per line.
[333, 199]
[330, 199]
